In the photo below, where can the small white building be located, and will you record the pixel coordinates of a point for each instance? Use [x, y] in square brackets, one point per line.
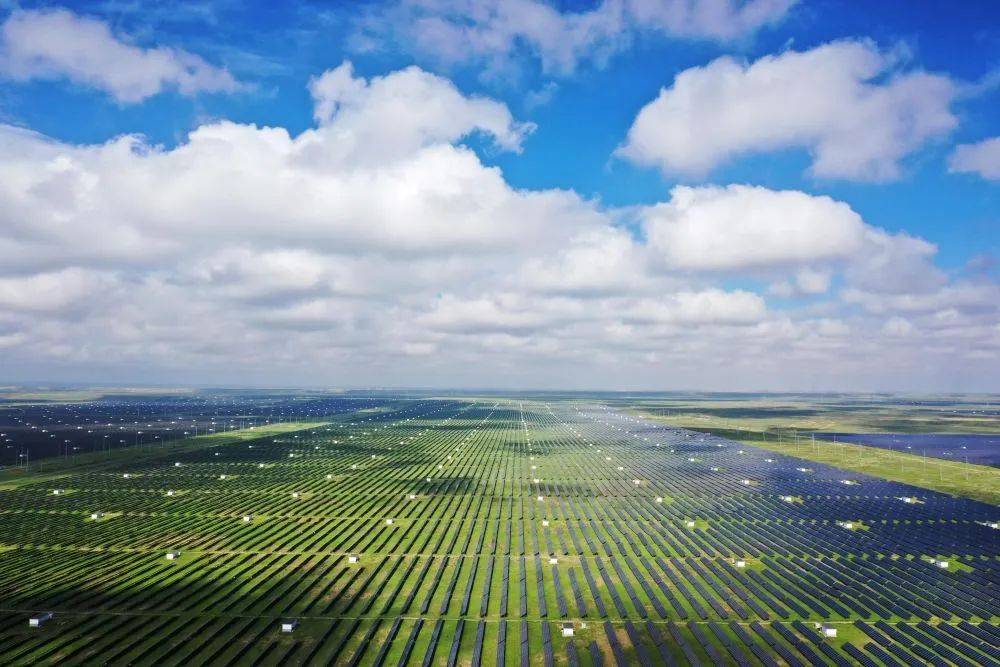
[659, 499]
[222, 476]
[96, 516]
[909, 500]
[412, 496]
[170, 492]
[329, 476]
[553, 560]
[353, 558]
[388, 522]
[173, 555]
[295, 494]
[788, 499]
[741, 564]
[545, 522]
[745, 482]
[177, 464]
[828, 631]
[289, 626]
[689, 524]
[567, 629]
[247, 518]
[849, 525]
[126, 475]
[39, 620]
[57, 492]
[541, 498]
[943, 564]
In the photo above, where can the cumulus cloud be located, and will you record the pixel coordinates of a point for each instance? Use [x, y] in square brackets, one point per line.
[406, 110]
[60, 293]
[330, 186]
[742, 226]
[812, 281]
[852, 106]
[496, 31]
[982, 158]
[962, 297]
[507, 313]
[249, 253]
[604, 260]
[56, 43]
[708, 306]
[897, 327]
[895, 264]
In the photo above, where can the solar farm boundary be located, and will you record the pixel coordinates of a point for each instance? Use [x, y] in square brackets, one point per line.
[224, 604]
[97, 461]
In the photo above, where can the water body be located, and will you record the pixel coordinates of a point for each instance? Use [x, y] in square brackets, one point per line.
[981, 448]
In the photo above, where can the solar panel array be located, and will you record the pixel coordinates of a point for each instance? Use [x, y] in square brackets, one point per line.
[493, 531]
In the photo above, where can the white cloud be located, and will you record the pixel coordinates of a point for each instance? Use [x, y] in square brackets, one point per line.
[709, 306]
[602, 261]
[812, 281]
[961, 297]
[981, 158]
[406, 110]
[59, 293]
[57, 43]
[848, 103]
[249, 254]
[745, 227]
[895, 263]
[496, 31]
[504, 313]
[713, 19]
[897, 327]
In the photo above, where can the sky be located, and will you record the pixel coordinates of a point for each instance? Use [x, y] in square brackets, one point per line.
[742, 195]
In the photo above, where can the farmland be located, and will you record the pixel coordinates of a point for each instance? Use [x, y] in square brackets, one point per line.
[478, 530]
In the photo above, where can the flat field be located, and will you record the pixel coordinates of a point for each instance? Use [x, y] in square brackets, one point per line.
[800, 425]
[483, 529]
[818, 413]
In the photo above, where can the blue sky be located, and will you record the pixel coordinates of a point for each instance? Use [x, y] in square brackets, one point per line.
[888, 254]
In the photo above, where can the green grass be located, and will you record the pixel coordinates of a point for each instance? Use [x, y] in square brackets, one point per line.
[16, 396]
[778, 434]
[951, 477]
[55, 469]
